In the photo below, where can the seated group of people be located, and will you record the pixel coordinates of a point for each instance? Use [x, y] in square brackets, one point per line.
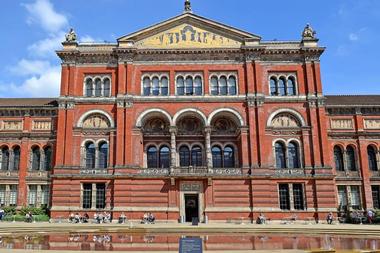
[148, 218]
[261, 219]
[104, 217]
[77, 218]
[28, 217]
[122, 218]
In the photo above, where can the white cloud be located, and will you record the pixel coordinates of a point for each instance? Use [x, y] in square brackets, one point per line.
[30, 67]
[42, 12]
[353, 37]
[46, 47]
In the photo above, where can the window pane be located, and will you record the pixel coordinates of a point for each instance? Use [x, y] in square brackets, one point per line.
[351, 163]
[87, 196]
[280, 155]
[338, 157]
[376, 196]
[217, 157]
[155, 86]
[273, 87]
[198, 86]
[107, 87]
[164, 86]
[146, 86]
[100, 196]
[214, 86]
[152, 157]
[228, 157]
[223, 85]
[32, 195]
[13, 195]
[298, 197]
[281, 87]
[232, 85]
[284, 197]
[355, 197]
[189, 86]
[180, 86]
[372, 158]
[98, 88]
[184, 156]
[103, 155]
[48, 158]
[291, 88]
[293, 156]
[342, 197]
[196, 156]
[90, 155]
[36, 158]
[164, 157]
[16, 159]
[89, 89]
[2, 195]
[4, 159]
[45, 195]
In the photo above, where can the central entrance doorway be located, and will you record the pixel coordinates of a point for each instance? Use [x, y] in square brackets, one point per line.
[191, 207]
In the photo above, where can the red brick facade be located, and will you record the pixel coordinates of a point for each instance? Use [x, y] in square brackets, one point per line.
[235, 144]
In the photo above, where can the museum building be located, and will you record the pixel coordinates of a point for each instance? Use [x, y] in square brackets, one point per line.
[191, 118]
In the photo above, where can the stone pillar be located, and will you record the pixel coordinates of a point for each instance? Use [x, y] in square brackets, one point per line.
[93, 197]
[39, 196]
[291, 197]
[345, 161]
[42, 160]
[348, 193]
[378, 160]
[7, 195]
[208, 147]
[173, 146]
[11, 160]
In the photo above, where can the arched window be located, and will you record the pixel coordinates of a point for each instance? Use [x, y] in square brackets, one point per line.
[107, 87]
[90, 155]
[338, 157]
[164, 157]
[146, 86]
[351, 161]
[223, 85]
[273, 87]
[155, 86]
[280, 155]
[232, 85]
[103, 155]
[372, 158]
[217, 157]
[293, 156]
[196, 156]
[198, 86]
[189, 86]
[98, 88]
[214, 86]
[48, 158]
[164, 86]
[36, 158]
[281, 87]
[5, 158]
[89, 88]
[228, 157]
[16, 158]
[291, 87]
[180, 86]
[184, 156]
[152, 157]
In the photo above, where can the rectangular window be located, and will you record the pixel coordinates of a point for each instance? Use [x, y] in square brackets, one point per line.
[284, 197]
[355, 198]
[44, 195]
[342, 196]
[2, 195]
[376, 196]
[13, 195]
[32, 195]
[298, 197]
[87, 196]
[100, 196]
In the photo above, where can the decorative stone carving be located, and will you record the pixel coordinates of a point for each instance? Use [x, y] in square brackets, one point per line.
[187, 6]
[189, 126]
[41, 125]
[12, 125]
[372, 123]
[71, 36]
[341, 124]
[223, 126]
[191, 187]
[156, 126]
[308, 33]
[285, 120]
[96, 121]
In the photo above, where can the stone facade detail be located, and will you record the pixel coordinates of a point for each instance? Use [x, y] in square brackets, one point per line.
[11, 125]
[341, 124]
[372, 123]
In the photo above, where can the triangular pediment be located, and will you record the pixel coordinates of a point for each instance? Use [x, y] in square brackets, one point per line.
[188, 31]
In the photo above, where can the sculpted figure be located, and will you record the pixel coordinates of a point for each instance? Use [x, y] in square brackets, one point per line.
[308, 32]
[71, 36]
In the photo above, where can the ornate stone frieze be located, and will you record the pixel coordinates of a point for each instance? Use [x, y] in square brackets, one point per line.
[154, 172]
[42, 125]
[341, 124]
[96, 121]
[372, 123]
[285, 120]
[11, 125]
[194, 187]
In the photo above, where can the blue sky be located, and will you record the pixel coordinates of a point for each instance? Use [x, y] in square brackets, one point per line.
[32, 29]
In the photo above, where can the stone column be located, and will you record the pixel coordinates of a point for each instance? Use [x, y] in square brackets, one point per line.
[39, 196]
[7, 195]
[208, 147]
[42, 160]
[93, 197]
[11, 160]
[173, 146]
[378, 160]
[345, 161]
[291, 197]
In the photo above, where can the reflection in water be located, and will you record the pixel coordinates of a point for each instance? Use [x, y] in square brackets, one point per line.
[160, 242]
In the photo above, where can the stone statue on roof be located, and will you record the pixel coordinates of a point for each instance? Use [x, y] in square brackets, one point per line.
[309, 33]
[187, 6]
[71, 36]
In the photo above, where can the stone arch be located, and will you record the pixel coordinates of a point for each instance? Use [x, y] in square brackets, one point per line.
[291, 112]
[190, 111]
[94, 112]
[237, 117]
[143, 115]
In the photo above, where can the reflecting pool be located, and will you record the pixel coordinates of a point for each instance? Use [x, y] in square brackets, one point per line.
[161, 242]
